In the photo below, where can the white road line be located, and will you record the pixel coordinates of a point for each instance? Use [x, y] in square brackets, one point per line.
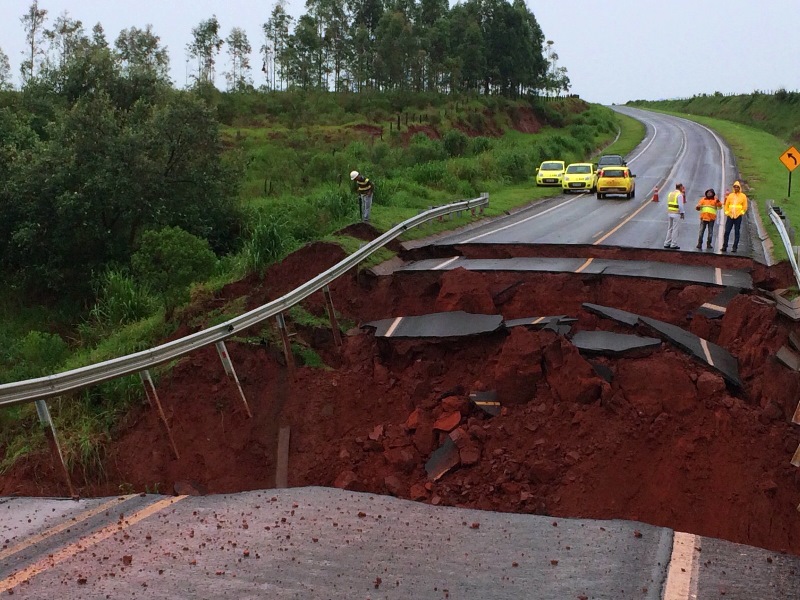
[681, 581]
[393, 326]
[716, 307]
[718, 275]
[446, 263]
[704, 346]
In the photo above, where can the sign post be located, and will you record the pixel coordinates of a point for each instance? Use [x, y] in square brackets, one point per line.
[790, 159]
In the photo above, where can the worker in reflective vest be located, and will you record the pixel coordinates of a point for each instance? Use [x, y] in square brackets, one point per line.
[735, 207]
[708, 206]
[675, 202]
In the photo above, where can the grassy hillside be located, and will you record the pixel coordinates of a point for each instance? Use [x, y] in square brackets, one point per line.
[759, 128]
[296, 151]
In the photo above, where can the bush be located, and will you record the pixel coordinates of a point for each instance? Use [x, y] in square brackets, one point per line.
[479, 145]
[170, 260]
[422, 149]
[455, 143]
[514, 164]
[269, 241]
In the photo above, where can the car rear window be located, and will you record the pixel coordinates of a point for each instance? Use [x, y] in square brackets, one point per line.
[579, 169]
[613, 172]
[552, 166]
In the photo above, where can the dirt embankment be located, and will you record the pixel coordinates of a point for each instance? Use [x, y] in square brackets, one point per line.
[662, 440]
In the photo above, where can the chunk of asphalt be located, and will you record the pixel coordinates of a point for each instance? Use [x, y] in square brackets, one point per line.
[717, 357]
[789, 358]
[539, 322]
[716, 307]
[443, 459]
[444, 324]
[613, 344]
[615, 314]
[486, 401]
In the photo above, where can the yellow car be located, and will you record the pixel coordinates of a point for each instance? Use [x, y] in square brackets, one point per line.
[579, 177]
[616, 180]
[550, 172]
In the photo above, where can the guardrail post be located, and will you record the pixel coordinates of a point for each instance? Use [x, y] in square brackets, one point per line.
[287, 347]
[52, 440]
[484, 195]
[152, 398]
[337, 336]
[222, 350]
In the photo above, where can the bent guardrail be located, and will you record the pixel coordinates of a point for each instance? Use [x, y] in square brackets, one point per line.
[83, 377]
[777, 218]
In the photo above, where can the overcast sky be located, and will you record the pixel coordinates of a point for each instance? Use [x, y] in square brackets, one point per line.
[613, 51]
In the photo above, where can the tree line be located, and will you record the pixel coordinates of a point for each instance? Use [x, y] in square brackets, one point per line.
[480, 46]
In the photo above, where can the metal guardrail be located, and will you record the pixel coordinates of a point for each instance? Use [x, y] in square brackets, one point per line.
[83, 377]
[777, 219]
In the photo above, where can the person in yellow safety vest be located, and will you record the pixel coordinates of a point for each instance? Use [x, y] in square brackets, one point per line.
[675, 201]
[735, 207]
[364, 189]
[707, 206]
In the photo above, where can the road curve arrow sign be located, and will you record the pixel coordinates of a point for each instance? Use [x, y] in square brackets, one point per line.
[791, 158]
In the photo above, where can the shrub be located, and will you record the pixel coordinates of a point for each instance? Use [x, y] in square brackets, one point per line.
[170, 260]
[269, 240]
[479, 145]
[514, 164]
[455, 143]
[423, 149]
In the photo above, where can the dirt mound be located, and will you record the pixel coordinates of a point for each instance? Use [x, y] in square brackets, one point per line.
[413, 130]
[525, 120]
[371, 130]
[658, 438]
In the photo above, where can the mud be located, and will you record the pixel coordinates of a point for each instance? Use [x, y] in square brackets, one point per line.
[666, 441]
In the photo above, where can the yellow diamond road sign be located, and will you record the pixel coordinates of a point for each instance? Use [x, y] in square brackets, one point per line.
[791, 158]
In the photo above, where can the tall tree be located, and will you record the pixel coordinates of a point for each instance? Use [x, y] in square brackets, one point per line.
[276, 36]
[205, 45]
[141, 54]
[33, 22]
[64, 38]
[5, 72]
[239, 50]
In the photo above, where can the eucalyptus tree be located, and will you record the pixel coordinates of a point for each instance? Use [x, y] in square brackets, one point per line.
[140, 54]
[5, 72]
[276, 36]
[467, 48]
[239, 50]
[365, 17]
[299, 57]
[65, 38]
[205, 46]
[396, 51]
[33, 22]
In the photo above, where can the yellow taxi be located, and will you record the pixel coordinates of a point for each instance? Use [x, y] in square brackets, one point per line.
[616, 180]
[550, 172]
[579, 177]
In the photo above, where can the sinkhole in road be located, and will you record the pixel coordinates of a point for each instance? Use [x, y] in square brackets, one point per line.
[653, 436]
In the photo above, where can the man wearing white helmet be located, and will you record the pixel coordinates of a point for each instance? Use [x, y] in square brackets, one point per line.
[364, 188]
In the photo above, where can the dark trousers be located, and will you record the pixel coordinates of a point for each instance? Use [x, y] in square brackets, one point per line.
[706, 225]
[736, 225]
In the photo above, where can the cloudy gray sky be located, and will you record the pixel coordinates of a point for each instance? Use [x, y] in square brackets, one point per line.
[613, 51]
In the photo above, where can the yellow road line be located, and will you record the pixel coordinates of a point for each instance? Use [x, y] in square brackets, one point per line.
[718, 275]
[681, 583]
[56, 529]
[618, 227]
[584, 265]
[537, 320]
[84, 544]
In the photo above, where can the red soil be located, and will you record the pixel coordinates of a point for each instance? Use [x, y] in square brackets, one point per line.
[666, 442]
